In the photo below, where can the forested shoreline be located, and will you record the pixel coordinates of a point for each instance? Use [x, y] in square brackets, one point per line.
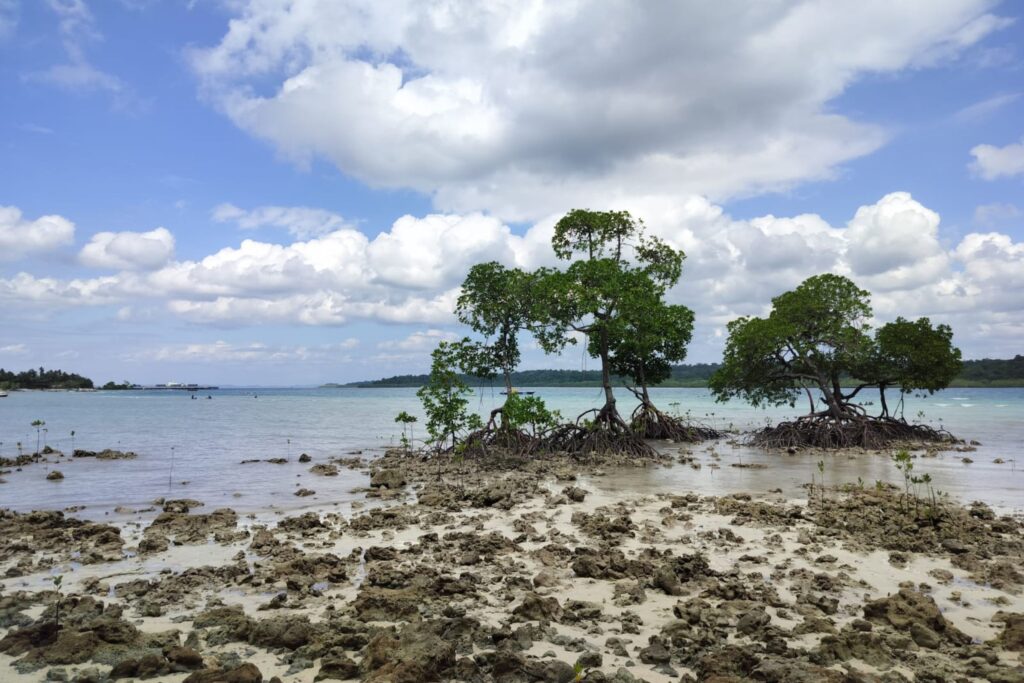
[987, 372]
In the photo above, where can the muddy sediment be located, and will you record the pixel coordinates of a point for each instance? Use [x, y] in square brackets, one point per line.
[516, 572]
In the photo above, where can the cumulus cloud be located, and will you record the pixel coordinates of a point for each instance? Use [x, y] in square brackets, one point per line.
[411, 273]
[129, 250]
[526, 112]
[301, 222]
[991, 162]
[19, 236]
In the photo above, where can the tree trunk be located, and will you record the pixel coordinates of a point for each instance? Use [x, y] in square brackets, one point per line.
[606, 375]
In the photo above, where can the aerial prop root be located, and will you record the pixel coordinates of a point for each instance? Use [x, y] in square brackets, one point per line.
[650, 423]
[855, 431]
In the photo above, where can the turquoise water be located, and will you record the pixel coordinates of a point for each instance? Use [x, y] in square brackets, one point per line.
[209, 438]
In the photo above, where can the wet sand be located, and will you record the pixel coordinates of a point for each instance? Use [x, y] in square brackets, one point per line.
[518, 574]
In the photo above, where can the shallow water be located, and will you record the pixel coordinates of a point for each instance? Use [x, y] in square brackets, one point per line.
[203, 441]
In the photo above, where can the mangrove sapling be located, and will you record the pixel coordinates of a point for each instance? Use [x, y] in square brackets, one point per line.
[407, 421]
[38, 424]
[444, 397]
[57, 581]
[903, 462]
[821, 473]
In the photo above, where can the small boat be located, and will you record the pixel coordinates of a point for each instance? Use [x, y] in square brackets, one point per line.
[519, 392]
[3, 394]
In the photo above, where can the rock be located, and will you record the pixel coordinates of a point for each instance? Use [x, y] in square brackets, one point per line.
[325, 470]
[55, 475]
[655, 653]
[388, 478]
[106, 454]
[245, 673]
[183, 658]
[1012, 637]
[336, 666]
[305, 458]
[291, 632]
[302, 493]
[954, 546]
[589, 660]
[418, 654]
[181, 505]
[924, 636]
[536, 608]
[545, 579]
[574, 493]
[909, 608]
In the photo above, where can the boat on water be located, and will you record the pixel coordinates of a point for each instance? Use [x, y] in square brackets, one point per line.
[3, 394]
[519, 392]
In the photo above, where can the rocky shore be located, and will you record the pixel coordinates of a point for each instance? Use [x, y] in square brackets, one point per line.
[516, 572]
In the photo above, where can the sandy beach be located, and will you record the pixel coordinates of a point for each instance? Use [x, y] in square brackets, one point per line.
[525, 572]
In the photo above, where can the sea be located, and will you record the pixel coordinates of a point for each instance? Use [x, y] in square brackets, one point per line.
[194, 448]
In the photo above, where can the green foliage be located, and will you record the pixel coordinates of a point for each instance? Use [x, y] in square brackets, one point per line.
[617, 287]
[528, 413]
[407, 421]
[43, 379]
[444, 396]
[497, 303]
[816, 337]
[114, 386]
[57, 580]
[647, 339]
[912, 355]
[812, 335]
[994, 371]
[905, 465]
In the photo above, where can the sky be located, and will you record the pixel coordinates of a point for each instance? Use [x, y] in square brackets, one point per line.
[289, 192]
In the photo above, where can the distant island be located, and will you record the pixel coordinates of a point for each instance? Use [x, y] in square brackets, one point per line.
[42, 379]
[987, 372]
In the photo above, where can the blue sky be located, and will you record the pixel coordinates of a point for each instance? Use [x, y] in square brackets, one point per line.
[290, 192]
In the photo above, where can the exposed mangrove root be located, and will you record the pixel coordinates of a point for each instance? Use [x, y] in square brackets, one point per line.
[493, 440]
[819, 431]
[648, 422]
[607, 432]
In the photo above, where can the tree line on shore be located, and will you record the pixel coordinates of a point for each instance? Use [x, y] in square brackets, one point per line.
[42, 379]
[611, 298]
[986, 372]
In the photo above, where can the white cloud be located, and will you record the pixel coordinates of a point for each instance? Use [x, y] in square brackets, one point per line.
[419, 341]
[13, 350]
[129, 250]
[77, 28]
[410, 274]
[991, 162]
[301, 222]
[527, 111]
[19, 236]
[996, 214]
[255, 352]
[8, 18]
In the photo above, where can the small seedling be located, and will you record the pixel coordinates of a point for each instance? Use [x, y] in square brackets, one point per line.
[57, 581]
[821, 472]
